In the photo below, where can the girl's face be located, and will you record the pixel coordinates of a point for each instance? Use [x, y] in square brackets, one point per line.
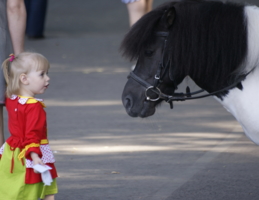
[38, 82]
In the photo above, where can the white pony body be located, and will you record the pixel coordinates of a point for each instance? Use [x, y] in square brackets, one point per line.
[244, 104]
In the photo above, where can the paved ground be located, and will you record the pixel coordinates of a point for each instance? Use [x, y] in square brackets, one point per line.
[195, 152]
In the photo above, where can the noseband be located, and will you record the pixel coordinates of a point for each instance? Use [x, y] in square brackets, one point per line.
[158, 78]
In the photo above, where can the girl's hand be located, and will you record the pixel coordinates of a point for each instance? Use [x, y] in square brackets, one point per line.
[36, 160]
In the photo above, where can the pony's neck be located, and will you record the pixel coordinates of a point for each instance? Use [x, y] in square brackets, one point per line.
[244, 105]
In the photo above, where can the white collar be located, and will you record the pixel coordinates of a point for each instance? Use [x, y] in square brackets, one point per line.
[23, 100]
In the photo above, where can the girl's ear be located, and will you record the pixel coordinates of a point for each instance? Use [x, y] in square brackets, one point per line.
[24, 79]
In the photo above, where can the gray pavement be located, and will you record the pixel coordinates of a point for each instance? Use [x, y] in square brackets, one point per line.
[195, 152]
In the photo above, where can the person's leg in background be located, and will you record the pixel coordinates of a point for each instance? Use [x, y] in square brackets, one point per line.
[36, 15]
[149, 4]
[137, 9]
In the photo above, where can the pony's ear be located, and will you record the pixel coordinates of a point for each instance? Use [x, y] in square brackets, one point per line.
[168, 18]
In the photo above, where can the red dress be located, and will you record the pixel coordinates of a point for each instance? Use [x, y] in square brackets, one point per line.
[28, 129]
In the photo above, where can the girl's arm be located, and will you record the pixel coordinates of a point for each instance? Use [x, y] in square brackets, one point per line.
[16, 14]
[35, 131]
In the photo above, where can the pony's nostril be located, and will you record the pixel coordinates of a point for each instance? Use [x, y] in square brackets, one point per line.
[127, 102]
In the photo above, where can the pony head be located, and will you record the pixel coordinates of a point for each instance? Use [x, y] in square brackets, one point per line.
[205, 40]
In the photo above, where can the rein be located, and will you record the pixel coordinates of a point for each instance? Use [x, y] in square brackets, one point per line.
[175, 96]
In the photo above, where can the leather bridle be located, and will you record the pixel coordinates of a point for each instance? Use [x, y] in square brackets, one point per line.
[158, 78]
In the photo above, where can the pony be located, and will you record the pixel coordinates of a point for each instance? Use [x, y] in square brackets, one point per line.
[215, 43]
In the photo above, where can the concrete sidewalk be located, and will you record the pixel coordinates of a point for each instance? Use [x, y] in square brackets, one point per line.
[196, 151]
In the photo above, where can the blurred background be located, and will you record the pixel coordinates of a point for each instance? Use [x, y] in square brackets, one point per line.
[196, 151]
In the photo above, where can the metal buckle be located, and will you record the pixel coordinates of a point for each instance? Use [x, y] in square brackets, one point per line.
[159, 93]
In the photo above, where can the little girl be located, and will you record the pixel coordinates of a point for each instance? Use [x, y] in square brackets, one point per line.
[26, 76]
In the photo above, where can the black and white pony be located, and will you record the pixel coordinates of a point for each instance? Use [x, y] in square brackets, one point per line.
[215, 43]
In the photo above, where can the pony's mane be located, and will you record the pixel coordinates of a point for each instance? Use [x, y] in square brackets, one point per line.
[207, 38]
[209, 41]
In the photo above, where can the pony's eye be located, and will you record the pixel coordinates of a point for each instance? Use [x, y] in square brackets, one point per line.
[149, 53]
